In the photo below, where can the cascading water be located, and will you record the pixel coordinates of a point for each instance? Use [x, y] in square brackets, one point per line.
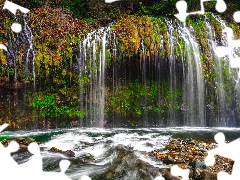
[194, 87]
[174, 76]
[19, 58]
[218, 70]
[163, 80]
[171, 87]
[91, 60]
[15, 42]
[185, 70]
[30, 56]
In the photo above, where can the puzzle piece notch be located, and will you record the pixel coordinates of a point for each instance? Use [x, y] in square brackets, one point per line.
[221, 6]
[222, 51]
[32, 169]
[182, 9]
[110, 1]
[159, 178]
[177, 171]
[227, 150]
[63, 164]
[5, 156]
[3, 126]
[85, 178]
[16, 27]
[12, 7]
[34, 164]
[236, 16]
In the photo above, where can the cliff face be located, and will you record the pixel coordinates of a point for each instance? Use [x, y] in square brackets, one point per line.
[55, 77]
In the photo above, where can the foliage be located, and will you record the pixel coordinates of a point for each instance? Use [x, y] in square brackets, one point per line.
[59, 26]
[134, 99]
[55, 35]
[132, 30]
[47, 106]
[171, 98]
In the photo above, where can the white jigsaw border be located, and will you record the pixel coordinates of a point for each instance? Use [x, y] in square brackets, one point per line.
[34, 165]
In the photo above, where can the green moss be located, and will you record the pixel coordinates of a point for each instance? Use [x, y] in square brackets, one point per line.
[128, 99]
[48, 107]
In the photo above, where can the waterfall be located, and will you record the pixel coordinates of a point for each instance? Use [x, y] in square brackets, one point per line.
[165, 74]
[173, 75]
[15, 44]
[193, 87]
[30, 56]
[183, 71]
[92, 62]
[218, 69]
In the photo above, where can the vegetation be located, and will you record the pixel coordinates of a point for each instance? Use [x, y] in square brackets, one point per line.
[48, 107]
[59, 85]
[134, 98]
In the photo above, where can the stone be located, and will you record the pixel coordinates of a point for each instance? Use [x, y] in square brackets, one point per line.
[168, 176]
[68, 153]
[206, 175]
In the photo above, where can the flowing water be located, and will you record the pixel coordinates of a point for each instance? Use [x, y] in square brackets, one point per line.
[186, 94]
[124, 153]
[185, 70]
[111, 153]
[93, 53]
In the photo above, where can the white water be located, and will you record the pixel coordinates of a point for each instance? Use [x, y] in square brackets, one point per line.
[184, 70]
[102, 145]
[30, 56]
[92, 57]
[173, 75]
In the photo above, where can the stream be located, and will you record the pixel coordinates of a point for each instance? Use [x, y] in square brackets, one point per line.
[110, 153]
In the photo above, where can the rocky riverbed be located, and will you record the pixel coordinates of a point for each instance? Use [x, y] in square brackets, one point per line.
[190, 153]
[186, 153]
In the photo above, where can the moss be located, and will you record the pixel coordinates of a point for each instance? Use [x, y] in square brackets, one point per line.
[136, 99]
[127, 100]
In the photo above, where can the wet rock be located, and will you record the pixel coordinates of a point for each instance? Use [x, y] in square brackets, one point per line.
[25, 141]
[127, 165]
[171, 146]
[206, 175]
[68, 153]
[5, 142]
[192, 153]
[109, 175]
[168, 176]
[23, 144]
[83, 159]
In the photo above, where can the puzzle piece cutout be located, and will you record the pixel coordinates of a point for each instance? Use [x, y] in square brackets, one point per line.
[182, 9]
[32, 169]
[85, 178]
[159, 178]
[227, 150]
[177, 171]
[222, 51]
[16, 27]
[35, 163]
[236, 16]
[5, 156]
[110, 1]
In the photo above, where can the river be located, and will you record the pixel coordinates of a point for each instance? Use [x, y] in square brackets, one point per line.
[110, 153]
